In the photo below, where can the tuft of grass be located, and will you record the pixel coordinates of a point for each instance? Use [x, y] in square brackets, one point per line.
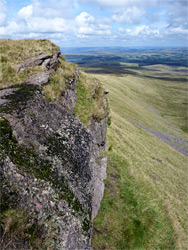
[90, 100]
[14, 52]
[18, 228]
[8, 72]
[68, 69]
[54, 90]
[17, 51]
[9, 76]
[59, 80]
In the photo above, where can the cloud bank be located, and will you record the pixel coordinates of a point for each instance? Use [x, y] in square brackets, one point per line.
[97, 22]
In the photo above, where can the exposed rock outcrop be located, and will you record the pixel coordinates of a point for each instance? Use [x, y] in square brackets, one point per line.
[51, 168]
[40, 79]
[32, 62]
[70, 94]
[49, 61]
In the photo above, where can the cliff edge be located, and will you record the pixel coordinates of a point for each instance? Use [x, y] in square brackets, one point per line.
[53, 122]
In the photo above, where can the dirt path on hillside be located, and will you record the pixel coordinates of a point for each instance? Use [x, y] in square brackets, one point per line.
[174, 141]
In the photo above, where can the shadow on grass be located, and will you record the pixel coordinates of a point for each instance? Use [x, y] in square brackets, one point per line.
[121, 71]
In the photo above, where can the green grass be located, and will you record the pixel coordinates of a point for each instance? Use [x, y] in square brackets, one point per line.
[132, 216]
[90, 100]
[151, 175]
[56, 87]
[17, 227]
[14, 52]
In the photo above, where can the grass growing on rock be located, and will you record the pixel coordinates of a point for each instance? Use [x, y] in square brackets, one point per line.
[17, 228]
[14, 52]
[90, 100]
[17, 51]
[54, 90]
[59, 80]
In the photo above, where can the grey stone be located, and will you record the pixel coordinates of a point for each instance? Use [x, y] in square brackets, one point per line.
[52, 62]
[59, 180]
[70, 95]
[40, 79]
[98, 130]
[38, 60]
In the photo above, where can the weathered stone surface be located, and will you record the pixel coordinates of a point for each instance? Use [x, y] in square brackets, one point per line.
[51, 63]
[98, 130]
[40, 79]
[70, 95]
[32, 62]
[51, 165]
[55, 169]
[3, 93]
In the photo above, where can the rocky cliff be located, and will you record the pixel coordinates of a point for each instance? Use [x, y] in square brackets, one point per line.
[52, 165]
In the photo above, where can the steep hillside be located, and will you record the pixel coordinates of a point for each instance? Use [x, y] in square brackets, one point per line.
[145, 201]
[53, 123]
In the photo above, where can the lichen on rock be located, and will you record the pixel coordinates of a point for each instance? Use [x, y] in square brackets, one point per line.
[51, 165]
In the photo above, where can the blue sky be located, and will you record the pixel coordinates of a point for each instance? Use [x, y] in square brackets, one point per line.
[77, 23]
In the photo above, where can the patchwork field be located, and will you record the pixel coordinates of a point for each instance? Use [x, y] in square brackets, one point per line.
[144, 205]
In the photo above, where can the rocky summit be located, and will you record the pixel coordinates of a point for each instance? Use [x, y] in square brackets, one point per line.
[52, 165]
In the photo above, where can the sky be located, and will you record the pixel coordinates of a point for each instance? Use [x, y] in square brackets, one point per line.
[93, 23]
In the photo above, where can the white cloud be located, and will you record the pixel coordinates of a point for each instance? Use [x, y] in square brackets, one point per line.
[177, 13]
[139, 31]
[84, 18]
[151, 33]
[104, 21]
[26, 22]
[53, 8]
[131, 15]
[26, 12]
[87, 25]
[176, 31]
[43, 25]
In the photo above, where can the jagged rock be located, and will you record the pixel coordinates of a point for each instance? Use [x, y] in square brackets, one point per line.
[32, 62]
[52, 62]
[40, 79]
[98, 130]
[59, 180]
[70, 95]
[51, 166]
[77, 73]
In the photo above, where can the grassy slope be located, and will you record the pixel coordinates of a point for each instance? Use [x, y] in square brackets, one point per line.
[144, 206]
[14, 52]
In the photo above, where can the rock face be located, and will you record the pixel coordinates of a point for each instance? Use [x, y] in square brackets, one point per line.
[51, 168]
[48, 60]
[40, 79]
[98, 131]
[70, 95]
